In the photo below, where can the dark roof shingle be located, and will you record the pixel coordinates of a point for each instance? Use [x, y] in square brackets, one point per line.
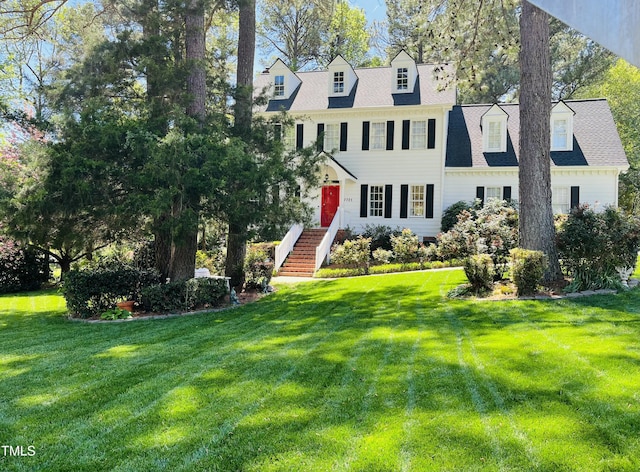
[595, 137]
[372, 89]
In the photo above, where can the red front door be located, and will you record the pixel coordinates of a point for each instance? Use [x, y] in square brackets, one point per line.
[330, 203]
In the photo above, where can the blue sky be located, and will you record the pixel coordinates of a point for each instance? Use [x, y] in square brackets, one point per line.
[375, 9]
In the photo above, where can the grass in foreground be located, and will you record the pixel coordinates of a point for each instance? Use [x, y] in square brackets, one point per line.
[373, 374]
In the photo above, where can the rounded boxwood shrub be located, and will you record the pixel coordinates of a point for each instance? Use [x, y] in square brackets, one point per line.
[527, 269]
[480, 271]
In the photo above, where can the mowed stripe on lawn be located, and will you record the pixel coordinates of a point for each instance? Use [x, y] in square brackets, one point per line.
[374, 373]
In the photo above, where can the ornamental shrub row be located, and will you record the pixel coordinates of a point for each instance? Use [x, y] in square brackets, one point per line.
[92, 291]
[184, 295]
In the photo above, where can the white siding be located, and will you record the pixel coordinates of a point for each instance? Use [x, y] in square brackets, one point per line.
[386, 167]
[598, 187]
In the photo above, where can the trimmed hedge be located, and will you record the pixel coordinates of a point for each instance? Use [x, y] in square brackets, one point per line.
[527, 269]
[480, 271]
[184, 295]
[93, 291]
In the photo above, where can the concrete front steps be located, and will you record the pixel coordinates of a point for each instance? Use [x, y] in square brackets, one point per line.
[302, 260]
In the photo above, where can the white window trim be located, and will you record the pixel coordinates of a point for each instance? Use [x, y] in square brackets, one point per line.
[331, 133]
[561, 205]
[374, 145]
[494, 188]
[423, 201]
[339, 82]
[279, 89]
[569, 131]
[402, 79]
[423, 144]
[289, 137]
[502, 122]
[381, 201]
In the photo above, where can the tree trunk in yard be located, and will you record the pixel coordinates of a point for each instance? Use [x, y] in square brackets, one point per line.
[237, 237]
[185, 243]
[536, 228]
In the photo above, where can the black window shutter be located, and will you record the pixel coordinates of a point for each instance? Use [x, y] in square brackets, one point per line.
[388, 195]
[431, 133]
[575, 197]
[320, 142]
[390, 126]
[364, 200]
[404, 200]
[429, 210]
[343, 136]
[506, 193]
[365, 135]
[299, 136]
[405, 133]
[277, 132]
[480, 194]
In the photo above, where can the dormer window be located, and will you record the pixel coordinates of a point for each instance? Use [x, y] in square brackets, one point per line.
[402, 78]
[494, 138]
[338, 82]
[561, 127]
[559, 134]
[494, 130]
[341, 78]
[278, 89]
[403, 74]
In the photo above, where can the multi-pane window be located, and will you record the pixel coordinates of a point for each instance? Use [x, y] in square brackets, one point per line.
[561, 199]
[416, 200]
[418, 134]
[378, 140]
[279, 86]
[493, 193]
[289, 138]
[402, 78]
[331, 136]
[559, 135]
[494, 140]
[338, 82]
[376, 200]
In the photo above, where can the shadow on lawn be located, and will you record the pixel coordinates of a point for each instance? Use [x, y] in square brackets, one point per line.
[350, 374]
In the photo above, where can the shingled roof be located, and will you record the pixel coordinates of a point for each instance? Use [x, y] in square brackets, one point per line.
[372, 89]
[596, 141]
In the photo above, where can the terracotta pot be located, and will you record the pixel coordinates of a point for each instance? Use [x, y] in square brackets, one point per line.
[127, 305]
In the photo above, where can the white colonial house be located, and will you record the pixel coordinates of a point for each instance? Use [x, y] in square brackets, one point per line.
[399, 151]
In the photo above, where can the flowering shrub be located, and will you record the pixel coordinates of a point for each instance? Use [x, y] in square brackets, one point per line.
[21, 269]
[491, 230]
[382, 255]
[380, 236]
[591, 245]
[405, 246]
[352, 253]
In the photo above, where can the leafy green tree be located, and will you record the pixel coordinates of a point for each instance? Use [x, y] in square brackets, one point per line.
[621, 87]
[482, 40]
[310, 34]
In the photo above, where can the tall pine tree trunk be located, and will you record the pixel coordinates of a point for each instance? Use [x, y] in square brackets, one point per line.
[237, 237]
[185, 241]
[536, 229]
[149, 14]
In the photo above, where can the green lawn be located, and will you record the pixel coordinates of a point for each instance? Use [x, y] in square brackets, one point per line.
[381, 373]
